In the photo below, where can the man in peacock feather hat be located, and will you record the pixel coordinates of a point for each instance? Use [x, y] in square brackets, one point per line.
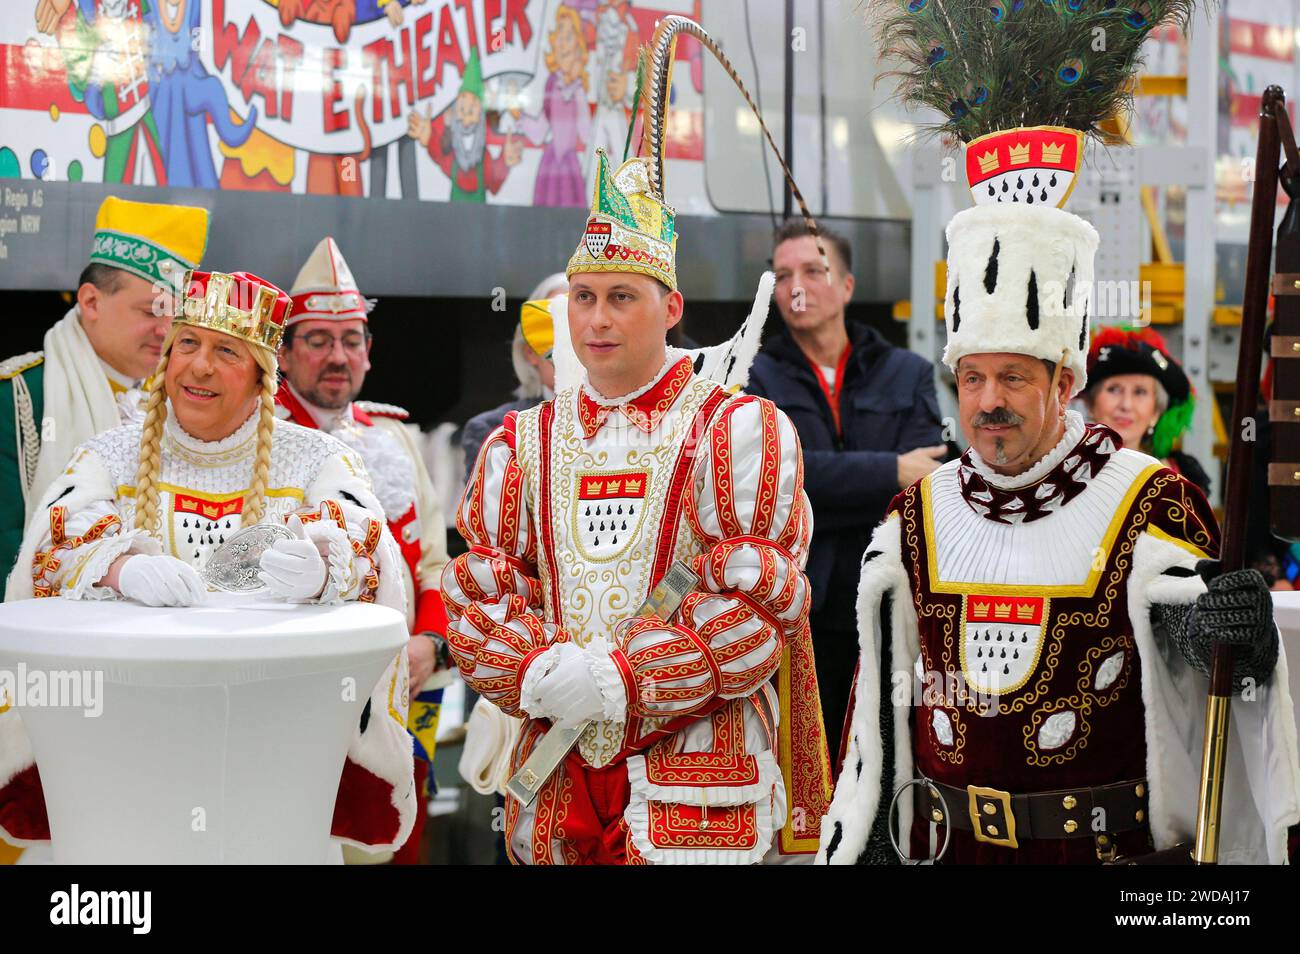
[1035, 628]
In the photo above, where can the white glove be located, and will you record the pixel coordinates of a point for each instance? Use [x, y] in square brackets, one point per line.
[294, 569]
[160, 580]
[569, 691]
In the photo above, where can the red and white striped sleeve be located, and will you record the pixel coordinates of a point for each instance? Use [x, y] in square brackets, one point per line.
[492, 592]
[747, 507]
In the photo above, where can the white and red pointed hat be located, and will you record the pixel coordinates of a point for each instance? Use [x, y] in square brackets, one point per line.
[325, 288]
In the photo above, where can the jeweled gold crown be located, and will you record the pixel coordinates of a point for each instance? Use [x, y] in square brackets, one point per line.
[237, 304]
[629, 228]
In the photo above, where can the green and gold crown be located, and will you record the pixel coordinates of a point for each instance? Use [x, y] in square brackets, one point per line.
[629, 229]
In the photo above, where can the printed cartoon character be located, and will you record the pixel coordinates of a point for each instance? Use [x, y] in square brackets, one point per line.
[612, 81]
[341, 14]
[185, 97]
[564, 124]
[103, 47]
[460, 150]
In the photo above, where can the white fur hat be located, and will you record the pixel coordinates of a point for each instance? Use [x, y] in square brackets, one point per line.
[1019, 280]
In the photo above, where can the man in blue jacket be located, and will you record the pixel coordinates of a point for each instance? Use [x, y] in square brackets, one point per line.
[868, 418]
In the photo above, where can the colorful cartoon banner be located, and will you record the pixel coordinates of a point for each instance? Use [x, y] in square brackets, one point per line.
[461, 100]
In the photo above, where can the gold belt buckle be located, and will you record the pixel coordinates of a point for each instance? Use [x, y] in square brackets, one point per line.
[991, 818]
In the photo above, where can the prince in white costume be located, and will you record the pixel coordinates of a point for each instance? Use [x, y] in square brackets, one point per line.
[706, 727]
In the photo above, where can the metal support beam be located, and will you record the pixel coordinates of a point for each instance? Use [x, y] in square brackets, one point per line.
[1198, 294]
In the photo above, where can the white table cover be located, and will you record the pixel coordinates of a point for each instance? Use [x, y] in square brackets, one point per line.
[223, 731]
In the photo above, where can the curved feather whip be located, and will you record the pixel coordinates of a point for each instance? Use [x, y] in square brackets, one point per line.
[656, 67]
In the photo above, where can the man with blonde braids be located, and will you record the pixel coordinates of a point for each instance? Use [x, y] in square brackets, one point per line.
[141, 508]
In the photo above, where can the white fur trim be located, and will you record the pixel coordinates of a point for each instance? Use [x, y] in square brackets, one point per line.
[858, 794]
[729, 363]
[15, 747]
[1262, 776]
[1047, 241]
[387, 749]
[15, 757]
[608, 679]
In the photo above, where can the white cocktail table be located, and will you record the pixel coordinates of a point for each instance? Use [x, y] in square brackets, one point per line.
[223, 731]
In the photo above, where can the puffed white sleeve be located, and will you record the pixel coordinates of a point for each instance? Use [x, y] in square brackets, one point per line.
[75, 534]
[492, 592]
[364, 561]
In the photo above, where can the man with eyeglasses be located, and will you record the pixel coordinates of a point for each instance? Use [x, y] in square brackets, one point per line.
[324, 356]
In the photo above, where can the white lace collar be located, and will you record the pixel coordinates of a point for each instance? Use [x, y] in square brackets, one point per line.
[1073, 434]
[245, 433]
[673, 355]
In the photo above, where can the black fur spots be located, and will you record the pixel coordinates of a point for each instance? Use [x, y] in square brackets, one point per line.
[991, 269]
[365, 717]
[1031, 301]
[835, 841]
[956, 308]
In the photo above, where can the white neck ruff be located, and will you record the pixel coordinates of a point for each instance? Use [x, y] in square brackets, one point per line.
[246, 432]
[672, 357]
[1073, 434]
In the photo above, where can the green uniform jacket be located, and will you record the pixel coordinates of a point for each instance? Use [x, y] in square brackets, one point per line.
[31, 368]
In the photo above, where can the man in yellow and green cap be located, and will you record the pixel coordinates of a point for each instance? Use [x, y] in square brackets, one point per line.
[88, 377]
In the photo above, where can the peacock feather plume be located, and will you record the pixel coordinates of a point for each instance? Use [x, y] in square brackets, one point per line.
[989, 65]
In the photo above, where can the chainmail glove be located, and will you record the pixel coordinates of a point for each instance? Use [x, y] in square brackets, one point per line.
[1237, 610]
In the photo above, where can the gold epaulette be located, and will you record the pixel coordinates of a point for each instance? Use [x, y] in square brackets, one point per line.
[19, 363]
[376, 409]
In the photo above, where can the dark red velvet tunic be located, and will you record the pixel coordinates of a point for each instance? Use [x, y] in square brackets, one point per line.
[1100, 728]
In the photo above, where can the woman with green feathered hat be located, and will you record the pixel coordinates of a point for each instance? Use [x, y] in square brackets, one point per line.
[1138, 390]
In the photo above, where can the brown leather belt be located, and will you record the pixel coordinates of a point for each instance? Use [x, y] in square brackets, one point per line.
[1002, 818]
